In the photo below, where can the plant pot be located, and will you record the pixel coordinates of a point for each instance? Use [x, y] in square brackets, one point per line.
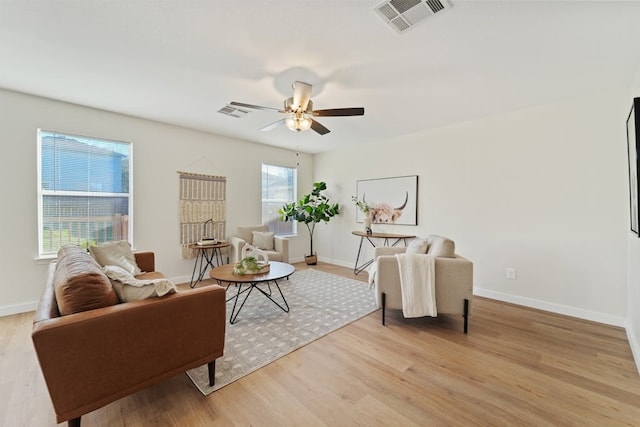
[311, 259]
[367, 224]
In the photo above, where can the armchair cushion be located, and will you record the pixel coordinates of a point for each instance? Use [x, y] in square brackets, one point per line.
[263, 240]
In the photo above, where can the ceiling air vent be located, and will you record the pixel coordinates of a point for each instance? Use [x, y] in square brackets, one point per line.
[232, 111]
[404, 14]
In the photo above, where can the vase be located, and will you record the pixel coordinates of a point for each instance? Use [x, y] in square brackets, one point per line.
[367, 224]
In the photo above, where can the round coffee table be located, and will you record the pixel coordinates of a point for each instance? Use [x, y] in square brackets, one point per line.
[277, 271]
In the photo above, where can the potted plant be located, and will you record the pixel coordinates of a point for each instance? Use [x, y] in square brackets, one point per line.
[366, 211]
[310, 210]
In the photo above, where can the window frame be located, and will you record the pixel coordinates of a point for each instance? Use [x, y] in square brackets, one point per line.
[42, 193]
[294, 192]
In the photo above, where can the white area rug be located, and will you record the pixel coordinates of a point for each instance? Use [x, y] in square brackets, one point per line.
[319, 304]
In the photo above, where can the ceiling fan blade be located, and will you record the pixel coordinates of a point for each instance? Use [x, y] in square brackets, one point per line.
[318, 127]
[255, 107]
[274, 125]
[339, 112]
[301, 95]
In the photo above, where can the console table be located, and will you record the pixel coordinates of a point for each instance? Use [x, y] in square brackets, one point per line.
[385, 236]
[207, 254]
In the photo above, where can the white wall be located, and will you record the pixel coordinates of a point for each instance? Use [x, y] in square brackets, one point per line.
[542, 190]
[159, 151]
[633, 266]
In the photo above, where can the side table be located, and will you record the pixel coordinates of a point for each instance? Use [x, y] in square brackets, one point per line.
[207, 254]
[368, 236]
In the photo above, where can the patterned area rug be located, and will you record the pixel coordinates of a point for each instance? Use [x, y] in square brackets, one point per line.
[319, 303]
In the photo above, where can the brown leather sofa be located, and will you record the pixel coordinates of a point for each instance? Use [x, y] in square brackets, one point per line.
[94, 357]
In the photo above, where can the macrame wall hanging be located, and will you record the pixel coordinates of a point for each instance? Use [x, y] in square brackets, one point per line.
[202, 208]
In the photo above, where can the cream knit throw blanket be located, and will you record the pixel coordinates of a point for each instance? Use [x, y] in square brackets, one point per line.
[162, 286]
[418, 284]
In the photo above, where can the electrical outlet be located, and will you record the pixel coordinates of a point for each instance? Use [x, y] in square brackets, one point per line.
[511, 273]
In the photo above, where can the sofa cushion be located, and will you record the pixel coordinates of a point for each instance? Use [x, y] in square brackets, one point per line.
[129, 288]
[79, 283]
[417, 246]
[116, 253]
[441, 246]
[245, 232]
[263, 240]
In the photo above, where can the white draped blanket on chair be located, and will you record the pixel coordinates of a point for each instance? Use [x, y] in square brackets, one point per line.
[418, 284]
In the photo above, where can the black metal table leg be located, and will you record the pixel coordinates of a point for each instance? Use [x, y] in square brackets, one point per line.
[357, 269]
[252, 286]
[201, 258]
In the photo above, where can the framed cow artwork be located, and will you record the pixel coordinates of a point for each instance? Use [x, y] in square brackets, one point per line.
[391, 200]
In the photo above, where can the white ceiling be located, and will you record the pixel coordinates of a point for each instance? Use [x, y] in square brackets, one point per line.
[180, 61]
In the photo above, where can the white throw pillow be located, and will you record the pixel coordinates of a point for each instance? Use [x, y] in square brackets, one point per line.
[116, 253]
[417, 246]
[263, 240]
[441, 246]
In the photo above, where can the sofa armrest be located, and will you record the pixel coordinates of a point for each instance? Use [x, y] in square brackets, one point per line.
[92, 358]
[146, 260]
[454, 283]
[282, 246]
[387, 281]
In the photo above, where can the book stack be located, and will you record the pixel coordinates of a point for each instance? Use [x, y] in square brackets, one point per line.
[207, 241]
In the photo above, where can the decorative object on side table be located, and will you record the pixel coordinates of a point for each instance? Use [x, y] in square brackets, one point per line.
[310, 210]
[254, 261]
[366, 211]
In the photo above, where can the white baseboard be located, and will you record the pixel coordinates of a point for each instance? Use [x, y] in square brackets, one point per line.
[336, 262]
[632, 336]
[593, 316]
[294, 260]
[8, 310]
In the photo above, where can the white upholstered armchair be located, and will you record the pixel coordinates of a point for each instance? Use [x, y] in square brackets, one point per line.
[276, 247]
[453, 278]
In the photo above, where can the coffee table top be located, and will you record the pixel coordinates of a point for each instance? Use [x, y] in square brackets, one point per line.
[277, 270]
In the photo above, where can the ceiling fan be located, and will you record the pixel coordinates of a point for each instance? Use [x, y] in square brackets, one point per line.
[299, 109]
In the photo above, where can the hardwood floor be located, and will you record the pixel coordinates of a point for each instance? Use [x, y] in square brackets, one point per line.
[517, 366]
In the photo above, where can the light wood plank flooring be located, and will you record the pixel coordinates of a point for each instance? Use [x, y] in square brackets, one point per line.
[517, 366]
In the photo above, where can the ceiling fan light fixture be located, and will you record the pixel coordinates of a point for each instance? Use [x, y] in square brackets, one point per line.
[298, 122]
[299, 110]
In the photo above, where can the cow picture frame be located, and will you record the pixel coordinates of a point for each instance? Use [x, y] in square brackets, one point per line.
[392, 200]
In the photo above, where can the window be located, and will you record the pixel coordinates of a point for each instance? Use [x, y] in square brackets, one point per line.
[278, 188]
[84, 191]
